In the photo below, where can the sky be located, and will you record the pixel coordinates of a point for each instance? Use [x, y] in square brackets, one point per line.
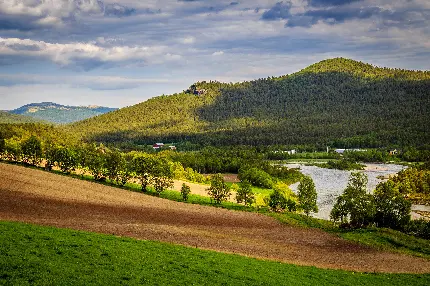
[119, 53]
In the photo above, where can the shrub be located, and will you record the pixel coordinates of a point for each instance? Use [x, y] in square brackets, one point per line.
[185, 191]
[282, 198]
[420, 228]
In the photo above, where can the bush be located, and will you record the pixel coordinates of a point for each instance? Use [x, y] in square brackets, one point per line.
[185, 191]
[256, 177]
[420, 228]
[282, 198]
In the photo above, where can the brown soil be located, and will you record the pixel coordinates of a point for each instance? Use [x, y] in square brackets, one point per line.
[44, 198]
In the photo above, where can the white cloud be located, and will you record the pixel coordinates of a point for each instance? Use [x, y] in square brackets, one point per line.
[91, 82]
[78, 53]
[188, 40]
[219, 53]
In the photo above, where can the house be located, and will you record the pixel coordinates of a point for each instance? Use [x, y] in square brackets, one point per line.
[172, 147]
[157, 146]
[290, 152]
[341, 151]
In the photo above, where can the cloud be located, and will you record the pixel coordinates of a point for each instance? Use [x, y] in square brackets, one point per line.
[86, 55]
[326, 3]
[333, 15]
[333, 12]
[118, 10]
[91, 82]
[218, 53]
[280, 11]
[39, 14]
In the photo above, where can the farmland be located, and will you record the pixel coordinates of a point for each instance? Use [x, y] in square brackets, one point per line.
[43, 198]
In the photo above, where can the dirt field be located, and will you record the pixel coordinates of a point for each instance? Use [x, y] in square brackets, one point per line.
[43, 198]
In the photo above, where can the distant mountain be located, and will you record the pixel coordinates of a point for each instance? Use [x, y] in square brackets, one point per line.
[6, 117]
[338, 102]
[61, 114]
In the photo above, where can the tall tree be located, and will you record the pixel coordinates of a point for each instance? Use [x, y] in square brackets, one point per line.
[307, 195]
[143, 166]
[392, 209]
[162, 173]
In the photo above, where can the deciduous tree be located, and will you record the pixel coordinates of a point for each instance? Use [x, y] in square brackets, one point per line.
[307, 195]
[218, 191]
[355, 206]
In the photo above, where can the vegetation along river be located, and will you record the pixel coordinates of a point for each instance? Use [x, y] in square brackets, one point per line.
[330, 183]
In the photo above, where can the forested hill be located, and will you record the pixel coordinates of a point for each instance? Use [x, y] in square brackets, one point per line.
[9, 118]
[57, 113]
[340, 102]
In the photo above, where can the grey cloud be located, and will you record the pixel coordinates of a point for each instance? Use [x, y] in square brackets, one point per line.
[341, 14]
[280, 11]
[326, 3]
[335, 12]
[118, 10]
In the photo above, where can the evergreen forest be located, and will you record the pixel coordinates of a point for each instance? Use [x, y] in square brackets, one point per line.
[337, 102]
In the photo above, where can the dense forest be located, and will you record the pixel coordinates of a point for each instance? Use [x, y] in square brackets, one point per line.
[337, 102]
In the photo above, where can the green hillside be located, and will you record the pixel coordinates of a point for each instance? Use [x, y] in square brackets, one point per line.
[40, 255]
[61, 114]
[338, 102]
[9, 118]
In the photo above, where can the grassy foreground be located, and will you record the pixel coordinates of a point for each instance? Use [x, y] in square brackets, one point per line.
[49, 256]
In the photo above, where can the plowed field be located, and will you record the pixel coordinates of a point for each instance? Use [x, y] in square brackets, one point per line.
[43, 198]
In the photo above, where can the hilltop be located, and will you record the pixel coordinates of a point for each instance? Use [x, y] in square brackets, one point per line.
[57, 113]
[340, 102]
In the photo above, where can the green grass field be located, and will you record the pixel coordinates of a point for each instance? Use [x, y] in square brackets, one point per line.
[36, 255]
